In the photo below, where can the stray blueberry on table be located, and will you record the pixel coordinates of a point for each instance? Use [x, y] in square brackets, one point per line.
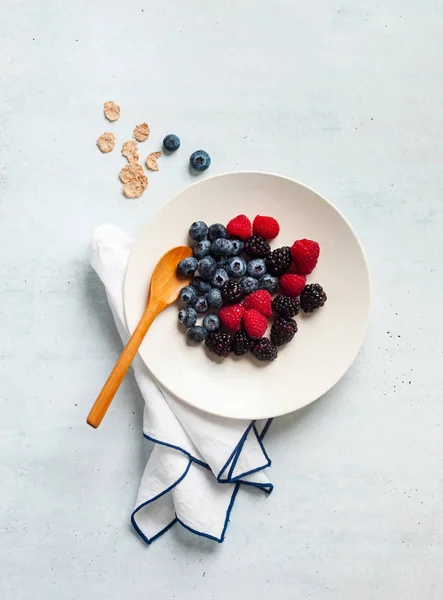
[202, 249]
[211, 323]
[268, 282]
[200, 160]
[249, 284]
[187, 266]
[238, 246]
[222, 247]
[197, 334]
[188, 295]
[217, 230]
[201, 306]
[207, 267]
[171, 143]
[236, 267]
[198, 231]
[220, 278]
[256, 268]
[201, 286]
[214, 298]
[187, 316]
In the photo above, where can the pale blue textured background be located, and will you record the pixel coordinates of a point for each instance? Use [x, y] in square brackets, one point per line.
[344, 96]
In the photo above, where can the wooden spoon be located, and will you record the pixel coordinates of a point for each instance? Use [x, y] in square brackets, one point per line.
[164, 289]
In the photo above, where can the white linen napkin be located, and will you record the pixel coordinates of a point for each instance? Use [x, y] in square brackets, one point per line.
[199, 461]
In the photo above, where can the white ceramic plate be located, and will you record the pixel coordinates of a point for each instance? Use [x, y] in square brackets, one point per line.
[327, 341]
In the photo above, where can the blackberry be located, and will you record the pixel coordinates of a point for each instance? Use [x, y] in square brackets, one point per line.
[312, 297]
[232, 292]
[263, 350]
[241, 343]
[219, 343]
[279, 261]
[282, 331]
[257, 247]
[285, 306]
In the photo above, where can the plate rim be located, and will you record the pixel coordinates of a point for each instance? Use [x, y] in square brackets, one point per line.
[334, 208]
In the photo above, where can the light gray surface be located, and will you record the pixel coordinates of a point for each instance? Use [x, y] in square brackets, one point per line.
[346, 97]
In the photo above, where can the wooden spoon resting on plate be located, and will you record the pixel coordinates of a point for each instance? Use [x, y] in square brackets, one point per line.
[163, 291]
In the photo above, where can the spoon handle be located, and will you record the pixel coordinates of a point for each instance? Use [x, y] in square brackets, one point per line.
[118, 373]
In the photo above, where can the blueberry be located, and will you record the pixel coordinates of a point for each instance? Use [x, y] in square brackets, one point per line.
[211, 323]
[268, 282]
[200, 285]
[197, 334]
[222, 247]
[236, 267]
[249, 284]
[217, 231]
[187, 266]
[207, 267]
[238, 247]
[221, 262]
[201, 306]
[171, 143]
[219, 278]
[214, 298]
[200, 160]
[256, 267]
[202, 249]
[198, 231]
[188, 295]
[187, 316]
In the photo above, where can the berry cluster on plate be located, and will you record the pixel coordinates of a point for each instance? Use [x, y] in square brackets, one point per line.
[239, 283]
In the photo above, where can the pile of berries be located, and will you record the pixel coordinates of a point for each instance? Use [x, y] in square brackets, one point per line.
[235, 278]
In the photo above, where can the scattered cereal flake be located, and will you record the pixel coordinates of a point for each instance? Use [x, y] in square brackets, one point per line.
[106, 142]
[131, 171]
[130, 150]
[135, 180]
[141, 132]
[112, 111]
[151, 161]
[134, 189]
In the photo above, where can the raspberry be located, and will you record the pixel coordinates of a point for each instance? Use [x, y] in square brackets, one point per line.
[292, 285]
[305, 255]
[241, 343]
[257, 247]
[263, 350]
[285, 306]
[261, 301]
[219, 343]
[312, 297]
[279, 261]
[239, 227]
[232, 292]
[266, 227]
[231, 316]
[255, 324]
[282, 331]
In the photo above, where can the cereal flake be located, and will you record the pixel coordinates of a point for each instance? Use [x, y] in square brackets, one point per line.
[106, 142]
[151, 161]
[130, 151]
[112, 111]
[135, 180]
[141, 132]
